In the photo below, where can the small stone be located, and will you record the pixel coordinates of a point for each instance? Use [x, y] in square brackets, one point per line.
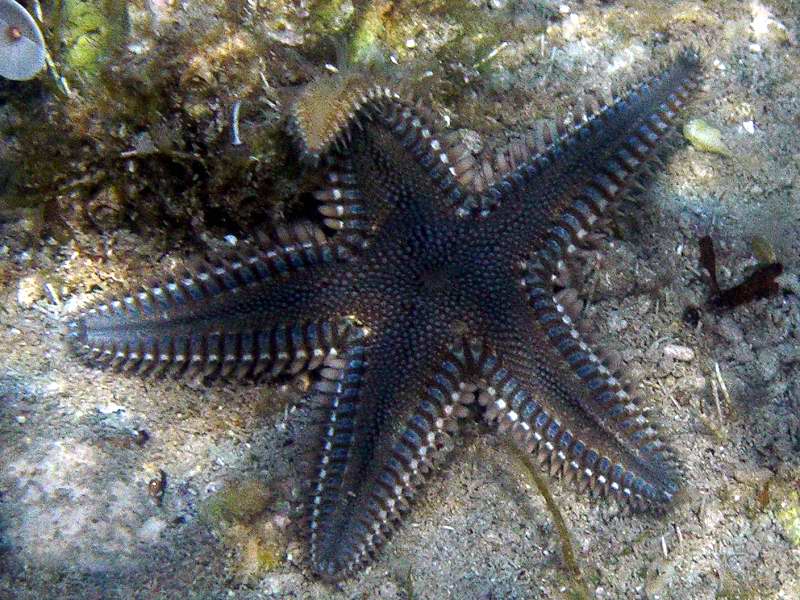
[471, 140]
[730, 330]
[679, 353]
[21, 419]
[281, 521]
[768, 363]
[616, 323]
[151, 530]
[31, 289]
[411, 43]
[749, 126]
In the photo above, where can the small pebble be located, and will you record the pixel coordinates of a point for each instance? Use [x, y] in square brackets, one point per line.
[679, 353]
[616, 323]
[410, 43]
[110, 408]
[749, 126]
[31, 289]
[22, 419]
[281, 521]
[694, 383]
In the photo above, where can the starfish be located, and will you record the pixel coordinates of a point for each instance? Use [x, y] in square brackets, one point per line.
[431, 293]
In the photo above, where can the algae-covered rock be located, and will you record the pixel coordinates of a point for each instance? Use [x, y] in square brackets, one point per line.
[261, 550]
[243, 515]
[237, 503]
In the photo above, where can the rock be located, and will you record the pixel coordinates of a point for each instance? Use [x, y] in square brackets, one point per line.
[729, 330]
[31, 289]
[679, 353]
[791, 282]
[768, 363]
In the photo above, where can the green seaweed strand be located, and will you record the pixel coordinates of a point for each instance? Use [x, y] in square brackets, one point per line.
[580, 590]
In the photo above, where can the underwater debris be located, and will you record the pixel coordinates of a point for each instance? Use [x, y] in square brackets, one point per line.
[22, 48]
[760, 284]
[157, 486]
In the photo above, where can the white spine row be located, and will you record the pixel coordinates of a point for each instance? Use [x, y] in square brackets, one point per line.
[119, 333]
[370, 523]
[524, 159]
[620, 411]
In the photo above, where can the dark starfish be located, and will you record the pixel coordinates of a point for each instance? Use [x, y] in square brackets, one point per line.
[437, 287]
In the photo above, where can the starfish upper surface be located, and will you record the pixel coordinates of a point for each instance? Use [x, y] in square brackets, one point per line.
[437, 287]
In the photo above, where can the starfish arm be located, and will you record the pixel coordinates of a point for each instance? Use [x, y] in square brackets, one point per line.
[252, 316]
[395, 160]
[559, 401]
[599, 159]
[368, 471]
[367, 134]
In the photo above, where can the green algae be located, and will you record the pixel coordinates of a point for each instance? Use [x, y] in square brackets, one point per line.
[788, 515]
[91, 31]
[577, 583]
[240, 502]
